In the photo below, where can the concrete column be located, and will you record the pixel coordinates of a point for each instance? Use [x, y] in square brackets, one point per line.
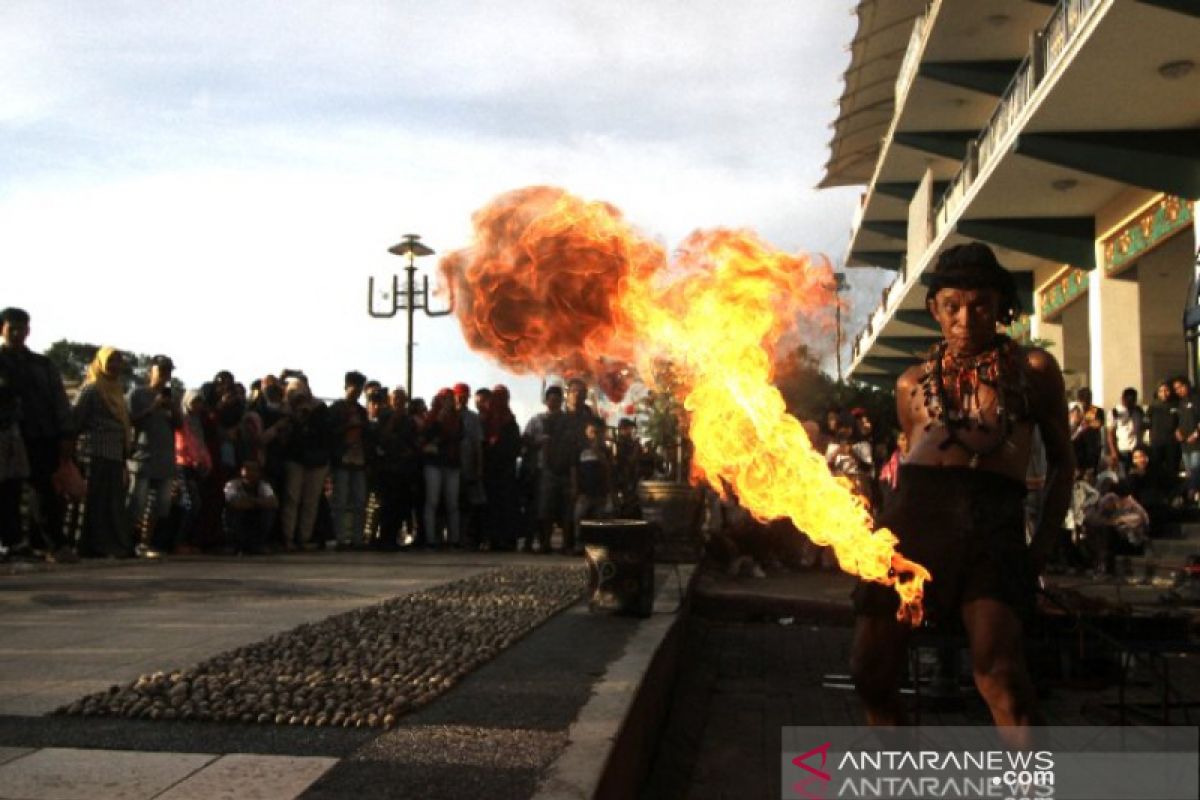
[1115, 329]
[1052, 332]
[1194, 349]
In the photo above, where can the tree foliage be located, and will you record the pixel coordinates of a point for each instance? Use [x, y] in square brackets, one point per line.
[73, 358]
[810, 393]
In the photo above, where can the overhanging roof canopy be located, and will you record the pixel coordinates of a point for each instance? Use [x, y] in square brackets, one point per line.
[866, 106]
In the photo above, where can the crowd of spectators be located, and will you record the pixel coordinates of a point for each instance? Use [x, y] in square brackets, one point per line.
[1138, 469]
[245, 469]
[236, 468]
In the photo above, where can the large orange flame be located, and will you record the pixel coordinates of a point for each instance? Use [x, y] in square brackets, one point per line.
[537, 289]
[556, 283]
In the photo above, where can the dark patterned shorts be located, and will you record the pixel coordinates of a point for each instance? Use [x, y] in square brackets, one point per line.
[967, 527]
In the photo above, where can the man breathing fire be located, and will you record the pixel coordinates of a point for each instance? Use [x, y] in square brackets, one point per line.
[969, 412]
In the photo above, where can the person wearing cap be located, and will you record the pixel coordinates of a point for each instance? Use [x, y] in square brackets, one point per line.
[155, 415]
[970, 410]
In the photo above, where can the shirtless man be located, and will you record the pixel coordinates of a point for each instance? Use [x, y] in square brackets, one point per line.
[969, 413]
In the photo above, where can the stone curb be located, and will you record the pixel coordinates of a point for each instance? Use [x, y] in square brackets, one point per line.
[631, 686]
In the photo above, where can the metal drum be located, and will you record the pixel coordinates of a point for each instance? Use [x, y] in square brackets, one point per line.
[675, 509]
[620, 559]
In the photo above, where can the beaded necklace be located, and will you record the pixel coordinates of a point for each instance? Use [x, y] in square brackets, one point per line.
[951, 383]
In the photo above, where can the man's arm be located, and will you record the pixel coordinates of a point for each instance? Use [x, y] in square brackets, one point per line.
[236, 498]
[1110, 433]
[1050, 415]
[63, 413]
[266, 497]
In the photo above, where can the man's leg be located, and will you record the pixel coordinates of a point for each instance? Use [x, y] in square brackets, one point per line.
[357, 501]
[311, 488]
[263, 525]
[160, 508]
[190, 500]
[545, 499]
[380, 530]
[338, 505]
[138, 508]
[567, 518]
[585, 508]
[1191, 462]
[998, 661]
[876, 657]
[10, 512]
[293, 488]
[43, 462]
[235, 525]
[433, 494]
[450, 485]
[405, 499]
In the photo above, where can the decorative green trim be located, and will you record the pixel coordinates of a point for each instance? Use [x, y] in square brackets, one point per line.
[1071, 286]
[1148, 230]
[1021, 331]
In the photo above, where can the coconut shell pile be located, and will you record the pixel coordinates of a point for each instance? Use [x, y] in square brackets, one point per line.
[363, 668]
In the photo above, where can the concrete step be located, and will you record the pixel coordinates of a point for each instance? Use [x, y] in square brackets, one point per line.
[1174, 549]
[1150, 570]
[1182, 530]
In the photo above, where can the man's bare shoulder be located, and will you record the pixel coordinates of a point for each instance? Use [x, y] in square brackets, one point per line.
[1046, 381]
[1041, 364]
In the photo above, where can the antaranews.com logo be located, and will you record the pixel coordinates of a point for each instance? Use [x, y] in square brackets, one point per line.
[825, 763]
[924, 773]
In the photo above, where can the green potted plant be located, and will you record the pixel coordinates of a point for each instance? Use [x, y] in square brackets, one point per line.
[667, 499]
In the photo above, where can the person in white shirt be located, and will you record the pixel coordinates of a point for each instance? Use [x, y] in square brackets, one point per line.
[1126, 430]
[250, 506]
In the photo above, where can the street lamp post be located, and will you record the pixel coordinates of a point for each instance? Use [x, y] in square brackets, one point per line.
[407, 297]
[839, 286]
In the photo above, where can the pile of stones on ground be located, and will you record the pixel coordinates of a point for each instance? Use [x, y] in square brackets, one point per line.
[363, 668]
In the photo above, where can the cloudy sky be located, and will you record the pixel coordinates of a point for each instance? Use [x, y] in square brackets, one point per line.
[217, 180]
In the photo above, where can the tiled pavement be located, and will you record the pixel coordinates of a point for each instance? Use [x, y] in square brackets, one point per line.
[745, 676]
[78, 629]
[68, 631]
[74, 774]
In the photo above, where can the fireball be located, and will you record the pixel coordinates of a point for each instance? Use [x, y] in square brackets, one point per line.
[556, 283]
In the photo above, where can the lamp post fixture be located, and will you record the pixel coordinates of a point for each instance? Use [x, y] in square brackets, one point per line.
[408, 297]
[840, 285]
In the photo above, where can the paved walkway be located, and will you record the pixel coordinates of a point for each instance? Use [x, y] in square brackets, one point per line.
[56, 773]
[73, 630]
[70, 630]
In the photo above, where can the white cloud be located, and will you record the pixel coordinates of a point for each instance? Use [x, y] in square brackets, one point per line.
[218, 180]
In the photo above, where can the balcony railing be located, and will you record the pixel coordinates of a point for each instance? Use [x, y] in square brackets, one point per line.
[1049, 44]
[912, 55]
[1065, 22]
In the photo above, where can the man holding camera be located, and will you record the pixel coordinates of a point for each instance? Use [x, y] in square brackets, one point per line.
[155, 415]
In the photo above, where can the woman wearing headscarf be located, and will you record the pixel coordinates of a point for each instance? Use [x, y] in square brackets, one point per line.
[102, 421]
[501, 446]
